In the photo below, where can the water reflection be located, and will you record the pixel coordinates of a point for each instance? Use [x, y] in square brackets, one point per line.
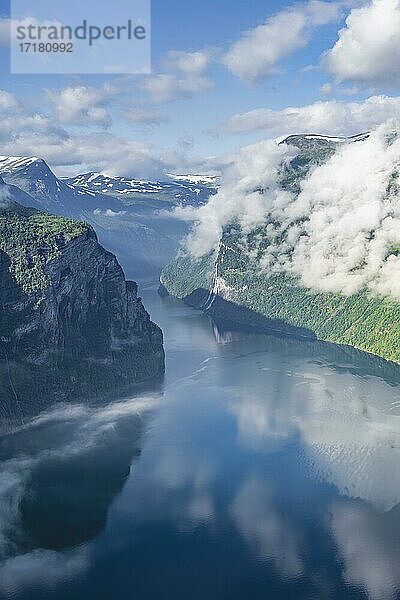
[271, 537]
[268, 469]
[42, 570]
[349, 426]
[59, 475]
[347, 429]
[369, 546]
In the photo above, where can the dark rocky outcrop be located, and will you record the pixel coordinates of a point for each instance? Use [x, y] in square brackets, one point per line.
[70, 324]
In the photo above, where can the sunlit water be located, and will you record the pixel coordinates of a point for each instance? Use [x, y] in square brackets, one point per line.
[264, 468]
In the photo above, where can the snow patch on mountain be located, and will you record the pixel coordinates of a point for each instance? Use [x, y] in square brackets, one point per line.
[209, 180]
[11, 163]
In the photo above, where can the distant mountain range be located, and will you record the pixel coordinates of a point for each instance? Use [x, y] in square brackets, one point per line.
[178, 189]
[130, 216]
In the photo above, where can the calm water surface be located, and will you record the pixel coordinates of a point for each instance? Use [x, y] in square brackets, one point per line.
[263, 468]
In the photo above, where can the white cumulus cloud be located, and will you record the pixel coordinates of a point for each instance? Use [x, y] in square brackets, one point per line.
[82, 105]
[109, 212]
[368, 48]
[8, 102]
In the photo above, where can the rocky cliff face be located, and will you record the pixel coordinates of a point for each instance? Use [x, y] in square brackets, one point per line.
[70, 324]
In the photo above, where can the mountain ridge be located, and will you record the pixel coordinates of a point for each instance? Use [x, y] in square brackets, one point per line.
[231, 279]
[133, 228]
[139, 226]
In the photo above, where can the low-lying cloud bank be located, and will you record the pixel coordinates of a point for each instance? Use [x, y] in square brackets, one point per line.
[340, 233]
[255, 167]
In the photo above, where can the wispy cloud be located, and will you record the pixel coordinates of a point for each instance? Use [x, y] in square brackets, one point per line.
[257, 53]
[145, 115]
[255, 167]
[185, 76]
[329, 117]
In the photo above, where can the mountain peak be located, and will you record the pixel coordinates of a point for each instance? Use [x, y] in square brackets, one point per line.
[11, 163]
[33, 176]
[316, 138]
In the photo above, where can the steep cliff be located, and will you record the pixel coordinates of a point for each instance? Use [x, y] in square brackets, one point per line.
[70, 325]
[251, 279]
[230, 291]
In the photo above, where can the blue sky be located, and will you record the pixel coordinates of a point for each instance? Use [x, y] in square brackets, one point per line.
[185, 115]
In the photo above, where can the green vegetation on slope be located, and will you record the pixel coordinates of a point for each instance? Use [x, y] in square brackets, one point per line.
[365, 322]
[185, 275]
[32, 239]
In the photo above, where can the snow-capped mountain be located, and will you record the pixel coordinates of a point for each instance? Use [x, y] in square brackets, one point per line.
[178, 189]
[34, 177]
[206, 180]
[118, 185]
[322, 141]
[130, 224]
